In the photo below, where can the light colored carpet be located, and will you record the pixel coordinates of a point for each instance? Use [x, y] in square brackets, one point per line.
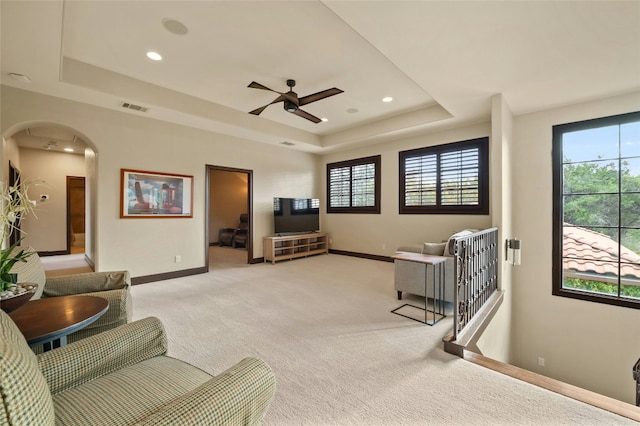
[340, 356]
[65, 264]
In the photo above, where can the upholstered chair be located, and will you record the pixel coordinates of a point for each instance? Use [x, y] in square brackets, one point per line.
[113, 286]
[124, 377]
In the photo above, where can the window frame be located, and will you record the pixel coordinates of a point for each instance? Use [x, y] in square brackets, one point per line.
[376, 160]
[558, 213]
[482, 208]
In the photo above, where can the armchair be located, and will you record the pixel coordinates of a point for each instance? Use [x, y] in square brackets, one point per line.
[409, 277]
[121, 377]
[235, 236]
[113, 286]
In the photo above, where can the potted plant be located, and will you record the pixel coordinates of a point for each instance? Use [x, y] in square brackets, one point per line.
[15, 205]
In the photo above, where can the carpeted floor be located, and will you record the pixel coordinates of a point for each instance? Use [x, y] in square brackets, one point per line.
[340, 357]
[65, 265]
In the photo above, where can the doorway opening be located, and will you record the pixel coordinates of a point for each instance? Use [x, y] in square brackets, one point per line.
[76, 202]
[229, 213]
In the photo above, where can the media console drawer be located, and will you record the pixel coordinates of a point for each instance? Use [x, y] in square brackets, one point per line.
[294, 246]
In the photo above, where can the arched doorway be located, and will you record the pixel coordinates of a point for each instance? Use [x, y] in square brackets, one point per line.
[43, 150]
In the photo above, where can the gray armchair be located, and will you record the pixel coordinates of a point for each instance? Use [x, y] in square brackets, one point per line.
[124, 377]
[409, 277]
[114, 286]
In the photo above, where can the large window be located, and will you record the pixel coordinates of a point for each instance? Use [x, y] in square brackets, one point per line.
[596, 208]
[446, 179]
[354, 186]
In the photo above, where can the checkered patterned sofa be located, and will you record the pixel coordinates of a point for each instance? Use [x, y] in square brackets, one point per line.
[113, 286]
[123, 377]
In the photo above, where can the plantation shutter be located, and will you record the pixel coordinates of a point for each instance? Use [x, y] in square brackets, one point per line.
[446, 179]
[353, 186]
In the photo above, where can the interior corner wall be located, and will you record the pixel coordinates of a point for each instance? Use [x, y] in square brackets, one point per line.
[381, 234]
[495, 341]
[91, 211]
[148, 246]
[587, 344]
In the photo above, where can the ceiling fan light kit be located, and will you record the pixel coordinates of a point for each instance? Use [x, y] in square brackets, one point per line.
[291, 101]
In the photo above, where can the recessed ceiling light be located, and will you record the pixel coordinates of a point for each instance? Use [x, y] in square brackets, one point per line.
[173, 26]
[154, 55]
[387, 99]
[20, 77]
[69, 149]
[324, 119]
[352, 110]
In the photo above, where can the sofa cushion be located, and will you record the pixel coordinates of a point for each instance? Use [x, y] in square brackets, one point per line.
[436, 249]
[93, 403]
[31, 271]
[26, 399]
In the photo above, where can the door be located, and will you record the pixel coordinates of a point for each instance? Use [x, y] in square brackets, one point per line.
[75, 214]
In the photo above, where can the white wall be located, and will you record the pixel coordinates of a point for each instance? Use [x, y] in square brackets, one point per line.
[381, 234]
[48, 230]
[587, 344]
[128, 140]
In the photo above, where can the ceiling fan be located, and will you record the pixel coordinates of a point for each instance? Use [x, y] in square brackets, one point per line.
[291, 101]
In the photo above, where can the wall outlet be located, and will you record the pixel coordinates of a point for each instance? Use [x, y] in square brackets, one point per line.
[178, 259]
[384, 246]
[330, 241]
[541, 361]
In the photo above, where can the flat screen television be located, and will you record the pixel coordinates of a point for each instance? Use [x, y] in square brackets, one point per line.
[296, 215]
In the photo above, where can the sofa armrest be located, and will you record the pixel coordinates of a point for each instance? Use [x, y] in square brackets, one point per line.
[87, 359]
[67, 285]
[120, 307]
[238, 396]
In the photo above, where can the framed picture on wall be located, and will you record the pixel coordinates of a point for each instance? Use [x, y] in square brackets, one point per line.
[155, 195]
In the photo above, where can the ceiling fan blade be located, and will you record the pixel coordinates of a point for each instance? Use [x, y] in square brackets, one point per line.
[255, 85]
[320, 95]
[289, 95]
[306, 115]
[257, 111]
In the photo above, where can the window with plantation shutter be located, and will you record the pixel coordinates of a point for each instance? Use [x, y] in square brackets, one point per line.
[446, 179]
[353, 186]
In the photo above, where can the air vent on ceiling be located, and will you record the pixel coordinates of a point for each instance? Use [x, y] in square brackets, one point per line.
[288, 143]
[134, 107]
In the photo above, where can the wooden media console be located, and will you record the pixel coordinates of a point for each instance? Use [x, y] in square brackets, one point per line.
[294, 246]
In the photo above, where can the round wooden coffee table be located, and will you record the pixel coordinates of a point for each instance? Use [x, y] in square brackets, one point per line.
[50, 320]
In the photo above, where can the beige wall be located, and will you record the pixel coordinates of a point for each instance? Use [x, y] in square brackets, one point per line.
[127, 140]
[381, 234]
[48, 232]
[495, 341]
[587, 344]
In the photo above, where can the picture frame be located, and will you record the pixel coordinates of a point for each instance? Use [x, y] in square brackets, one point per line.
[155, 195]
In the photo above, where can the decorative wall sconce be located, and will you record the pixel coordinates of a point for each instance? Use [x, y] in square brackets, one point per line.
[513, 251]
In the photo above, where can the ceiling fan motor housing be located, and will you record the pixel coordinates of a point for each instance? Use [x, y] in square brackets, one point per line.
[290, 106]
[291, 101]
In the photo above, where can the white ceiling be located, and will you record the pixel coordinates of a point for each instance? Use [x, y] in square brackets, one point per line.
[440, 61]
